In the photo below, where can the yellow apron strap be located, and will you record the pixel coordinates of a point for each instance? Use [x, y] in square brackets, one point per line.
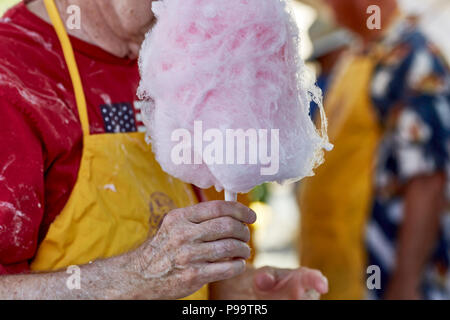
[71, 64]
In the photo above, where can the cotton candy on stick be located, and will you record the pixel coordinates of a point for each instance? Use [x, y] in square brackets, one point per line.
[226, 65]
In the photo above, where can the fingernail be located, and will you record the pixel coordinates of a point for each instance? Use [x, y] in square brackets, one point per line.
[323, 286]
[254, 216]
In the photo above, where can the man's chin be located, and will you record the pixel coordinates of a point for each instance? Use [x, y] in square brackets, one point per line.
[134, 50]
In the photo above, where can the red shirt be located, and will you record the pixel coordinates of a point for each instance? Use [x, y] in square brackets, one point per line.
[40, 132]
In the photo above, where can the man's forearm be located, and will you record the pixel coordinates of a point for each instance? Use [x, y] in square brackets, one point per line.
[104, 279]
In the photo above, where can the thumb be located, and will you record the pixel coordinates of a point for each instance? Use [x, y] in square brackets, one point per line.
[265, 280]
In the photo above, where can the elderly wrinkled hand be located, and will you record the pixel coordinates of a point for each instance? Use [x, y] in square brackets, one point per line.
[195, 246]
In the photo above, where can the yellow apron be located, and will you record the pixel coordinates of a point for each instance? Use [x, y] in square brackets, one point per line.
[120, 196]
[335, 202]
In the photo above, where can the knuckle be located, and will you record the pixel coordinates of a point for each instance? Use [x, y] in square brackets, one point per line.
[227, 225]
[316, 273]
[216, 208]
[184, 257]
[190, 276]
[178, 238]
[230, 272]
[248, 252]
[247, 234]
[171, 217]
[241, 267]
[228, 246]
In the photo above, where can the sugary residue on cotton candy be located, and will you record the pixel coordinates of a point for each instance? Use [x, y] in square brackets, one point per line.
[231, 64]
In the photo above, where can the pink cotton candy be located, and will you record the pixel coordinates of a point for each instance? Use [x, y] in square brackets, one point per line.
[229, 64]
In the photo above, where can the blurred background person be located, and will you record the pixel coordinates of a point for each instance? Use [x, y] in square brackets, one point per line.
[433, 19]
[389, 114]
[329, 43]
